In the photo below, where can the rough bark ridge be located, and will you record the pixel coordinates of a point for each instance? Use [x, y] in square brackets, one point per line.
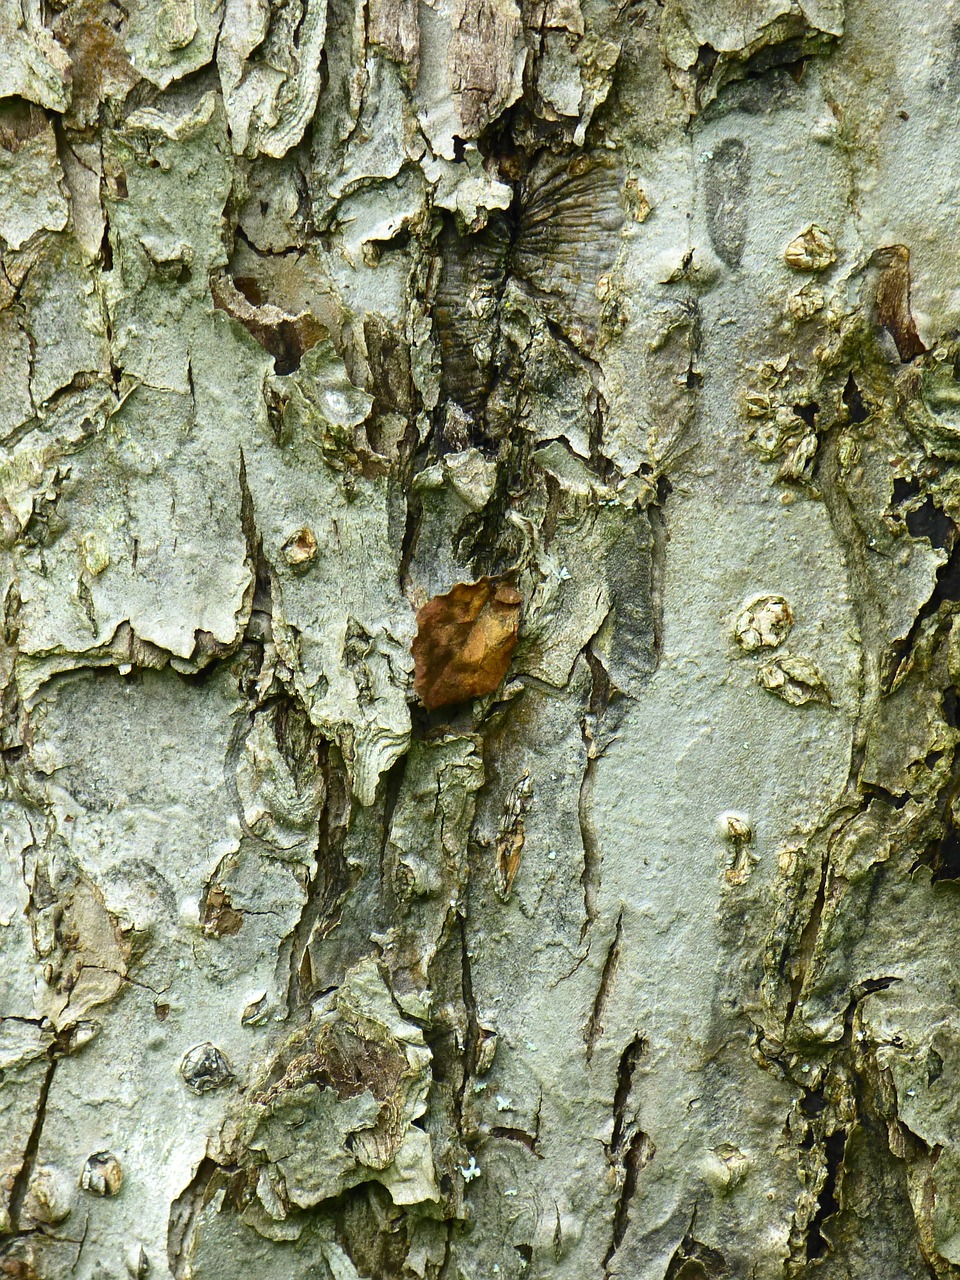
[634, 324]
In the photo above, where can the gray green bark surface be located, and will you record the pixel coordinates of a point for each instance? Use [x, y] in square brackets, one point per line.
[644, 963]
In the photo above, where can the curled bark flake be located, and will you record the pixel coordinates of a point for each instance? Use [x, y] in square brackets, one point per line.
[102, 1174]
[893, 301]
[220, 918]
[205, 1068]
[763, 623]
[285, 336]
[464, 642]
[795, 680]
[511, 837]
[300, 549]
[811, 250]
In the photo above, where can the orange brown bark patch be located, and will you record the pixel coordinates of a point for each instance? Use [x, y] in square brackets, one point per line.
[465, 640]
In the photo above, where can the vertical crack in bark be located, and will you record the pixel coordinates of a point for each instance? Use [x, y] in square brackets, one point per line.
[327, 887]
[590, 876]
[827, 1201]
[594, 1028]
[23, 1175]
[868, 610]
[631, 1149]
[183, 1215]
[392, 786]
[834, 1109]
[658, 560]
[807, 941]
[413, 521]
[695, 1260]
[471, 1028]
[863, 596]
[946, 588]
[259, 596]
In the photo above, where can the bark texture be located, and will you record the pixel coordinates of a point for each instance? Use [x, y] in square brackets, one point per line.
[480, 582]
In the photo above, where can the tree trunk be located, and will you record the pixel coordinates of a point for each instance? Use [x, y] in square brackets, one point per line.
[481, 766]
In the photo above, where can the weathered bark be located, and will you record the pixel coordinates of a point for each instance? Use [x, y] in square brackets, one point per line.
[354, 355]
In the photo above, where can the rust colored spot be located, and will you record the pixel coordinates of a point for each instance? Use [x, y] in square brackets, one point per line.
[465, 640]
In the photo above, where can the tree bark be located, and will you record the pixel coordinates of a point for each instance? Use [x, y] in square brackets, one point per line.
[480, 577]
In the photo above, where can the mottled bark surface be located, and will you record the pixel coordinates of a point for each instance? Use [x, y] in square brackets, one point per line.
[613, 346]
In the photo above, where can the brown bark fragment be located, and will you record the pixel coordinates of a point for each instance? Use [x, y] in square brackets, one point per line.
[393, 25]
[482, 60]
[220, 918]
[285, 336]
[464, 641]
[19, 122]
[893, 300]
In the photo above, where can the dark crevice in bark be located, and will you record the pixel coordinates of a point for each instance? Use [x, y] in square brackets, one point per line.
[373, 1232]
[806, 943]
[486, 540]
[841, 1092]
[392, 784]
[638, 1155]
[594, 1028]
[329, 885]
[942, 853]
[827, 1202]
[183, 1214]
[413, 521]
[23, 1175]
[631, 1149]
[946, 589]
[629, 1061]
[600, 694]
[525, 1139]
[658, 559]
[525, 1253]
[590, 876]
[931, 522]
[471, 1028]
[259, 596]
[694, 1260]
